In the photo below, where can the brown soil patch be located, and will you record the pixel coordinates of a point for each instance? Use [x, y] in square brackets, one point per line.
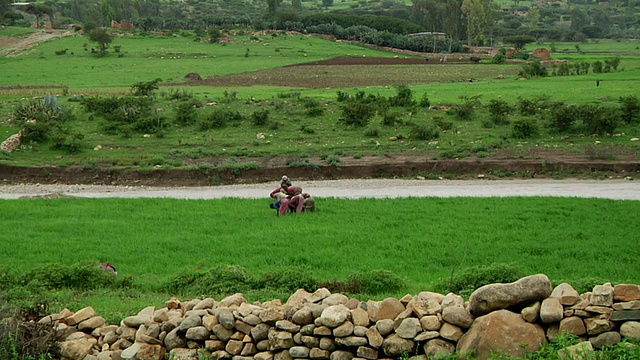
[350, 72]
[539, 165]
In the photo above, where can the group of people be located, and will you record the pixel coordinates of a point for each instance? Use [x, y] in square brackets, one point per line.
[289, 198]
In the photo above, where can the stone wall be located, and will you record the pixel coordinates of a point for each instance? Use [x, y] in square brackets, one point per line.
[325, 326]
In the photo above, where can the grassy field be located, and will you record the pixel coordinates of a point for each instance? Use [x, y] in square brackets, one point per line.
[422, 242]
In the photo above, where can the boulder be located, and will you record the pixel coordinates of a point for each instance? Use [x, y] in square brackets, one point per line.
[501, 331]
[626, 292]
[503, 296]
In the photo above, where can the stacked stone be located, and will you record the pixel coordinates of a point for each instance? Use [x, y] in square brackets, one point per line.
[325, 326]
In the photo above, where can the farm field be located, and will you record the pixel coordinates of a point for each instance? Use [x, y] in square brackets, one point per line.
[254, 74]
[417, 244]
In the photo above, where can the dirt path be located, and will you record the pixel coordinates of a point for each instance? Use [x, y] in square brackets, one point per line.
[11, 47]
[387, 188]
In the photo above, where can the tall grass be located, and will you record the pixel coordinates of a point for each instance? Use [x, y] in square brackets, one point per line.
[421, 241]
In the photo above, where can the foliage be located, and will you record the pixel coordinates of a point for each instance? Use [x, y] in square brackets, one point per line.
[519, 41]
[81, 276]
[466, 109]
[222, 279]
[524, 128]
[145, 88]
[62, 138]
[498, 59]
[472, 278]
[534, 69]
[219, 118]
[425, 132]
[630, 108]
[404, 97]
[102, 38]
[22, 337]
[499, 110]
[443, 124]
[39, 117]
[562, 118]
[260, 117]
[186, 112]
[358, 113]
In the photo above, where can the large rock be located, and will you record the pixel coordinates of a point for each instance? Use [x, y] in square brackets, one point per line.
[458, 316]
[435, 348]
[551, 310]
[501, 331]
[388, 308]
[503, 296]
[602, 295]
[566, 294]
[395, 346]
[335, 315]
[631, 330]
[626, 292]
[76, 349]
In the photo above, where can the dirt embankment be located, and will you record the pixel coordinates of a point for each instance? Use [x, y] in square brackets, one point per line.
[368, 167]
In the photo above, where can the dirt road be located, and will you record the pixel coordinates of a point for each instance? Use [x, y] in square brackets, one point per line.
[388, 188]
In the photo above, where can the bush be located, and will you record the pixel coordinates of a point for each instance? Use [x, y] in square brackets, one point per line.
[424, 132]
[443, 124]
[562, 118]
[373, 282]
[424, 101]
[470, 279]
[466, 109]
[64, 139]
[145, 88]
[630, 109]
[499, 110]
[498, 59]
[22, 337]
[260, 117]
[358, 113]
[524, 128]
[526, 107]
[222, 279]
[534, 69]
[82, 276]
[186, 112]
[219, 118]
[403, 98]
[599, 119]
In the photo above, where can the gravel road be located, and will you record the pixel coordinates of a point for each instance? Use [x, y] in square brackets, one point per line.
[387, 188]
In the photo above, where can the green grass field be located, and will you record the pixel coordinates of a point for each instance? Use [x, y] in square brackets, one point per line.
[422, 241]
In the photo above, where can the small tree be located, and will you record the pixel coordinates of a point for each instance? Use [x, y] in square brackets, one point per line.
[145, 88]
[39, 10]
[102, 38]
[519, 41]
[214, 34]
[499, 110]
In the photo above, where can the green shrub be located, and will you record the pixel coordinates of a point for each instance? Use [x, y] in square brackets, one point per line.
[67, 140]
[499, 58]
[598, 119]
[82, 276]
[443, 124]
[526, 107]
[534, 69]
[470, 279]
[390, 118]
[562, 118]
[374, 282]
[403, 98]
[630, 109]
[372, 132]
[424, 101]
[219, 118]
[145, 88]
[358, 113]
[333, 160]
[186, 113]
[524, 128]
[260, 117]
[289, 280]
[424, 132]
[499, 110]
[222, 279]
